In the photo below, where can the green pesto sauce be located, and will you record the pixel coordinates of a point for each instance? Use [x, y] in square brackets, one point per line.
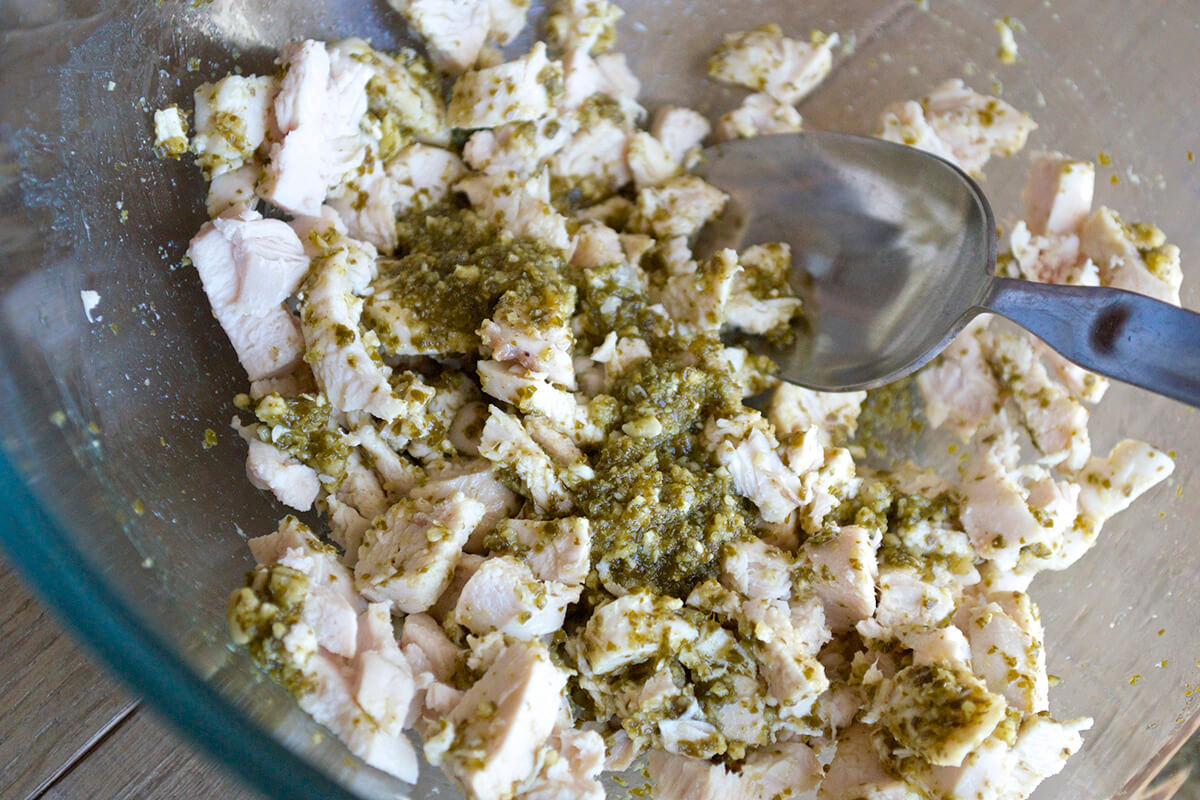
[300, 426]
[456, 271]
[661, 509]
[260, 614]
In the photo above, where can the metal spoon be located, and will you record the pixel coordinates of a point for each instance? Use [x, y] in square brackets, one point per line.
[894, 253]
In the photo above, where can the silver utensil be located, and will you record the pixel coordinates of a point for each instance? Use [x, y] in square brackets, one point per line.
[894, 253]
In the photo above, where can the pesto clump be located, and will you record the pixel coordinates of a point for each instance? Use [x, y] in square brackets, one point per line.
[260, 615]
[661, 508]
[455, 270]
[300, 426]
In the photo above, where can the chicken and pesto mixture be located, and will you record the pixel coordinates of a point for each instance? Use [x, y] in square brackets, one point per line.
[552, 536]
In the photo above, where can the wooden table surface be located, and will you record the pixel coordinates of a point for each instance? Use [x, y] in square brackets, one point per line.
[69, 732]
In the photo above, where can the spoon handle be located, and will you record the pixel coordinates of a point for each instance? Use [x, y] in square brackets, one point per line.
[1120, 334]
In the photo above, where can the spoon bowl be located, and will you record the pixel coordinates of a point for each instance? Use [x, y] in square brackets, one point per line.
[894, 252]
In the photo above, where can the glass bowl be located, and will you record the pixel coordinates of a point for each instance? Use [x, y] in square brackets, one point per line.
[123, 518]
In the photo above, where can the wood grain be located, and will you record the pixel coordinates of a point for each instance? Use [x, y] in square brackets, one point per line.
[144, 759]
[54, 704]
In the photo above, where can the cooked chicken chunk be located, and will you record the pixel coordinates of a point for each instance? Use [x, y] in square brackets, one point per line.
[249, 266]
[583, 25]
[516, 91]
[681, 131]
[503, 595]
[958, 124]
[268, 468]
[408, 556]
[1132, 257]
[502, 722]
[1057, 193]
[764, 60]
[231, 119]
[322, 99]
[759, 114]
[454, 30]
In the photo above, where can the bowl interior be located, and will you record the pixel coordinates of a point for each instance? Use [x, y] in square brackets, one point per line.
[126, 520]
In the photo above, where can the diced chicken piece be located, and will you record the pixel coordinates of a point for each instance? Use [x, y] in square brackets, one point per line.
[517, 150]
[454, 30]
[905, 123]
[780, 771]
[619, 355]
[557, 550]
[538, 339]
[477, 480]
[506, 443]
[1087, 386]
[524, 209]
[677, 777]
[231, 119]
[330, 700]
[957, 123]
[794, 409]
[381, 676]
[408, 557]
[506, 19]
[946, 645]
[1136, 257]
[905, 600]
[959, 389]
[467, 564]
[361, 489]
[575, 773]
[937, 712]
[1000, 517]
[1007, 650]
[760, 299]
[170, 132]
[759, 114]
[346, 528]
[1109, 485]
[342, 364]
[999, 772]
[585, 77]
[1051, 258]
[822, 487]
[678, 207]
[844, 573]
[697, 300]
[681, 132]
[517, 91]
[757, 570]
[397, 474]
[786, 654]
[268, 468]
[596, 245]
[650, 163]
[400, 92]
[583, 25]
[415, 178]
[856, 771]
[331, 607]
[598, 158]
[633, 628]
[528, 391]
[764, 60]
[1042, 749]
[745, 446]
[1058, 193]
[424, 642]
[1057, 422]
[503, 595]
[321, 100]
[503, 721]
[233, 190]
[249, 266]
